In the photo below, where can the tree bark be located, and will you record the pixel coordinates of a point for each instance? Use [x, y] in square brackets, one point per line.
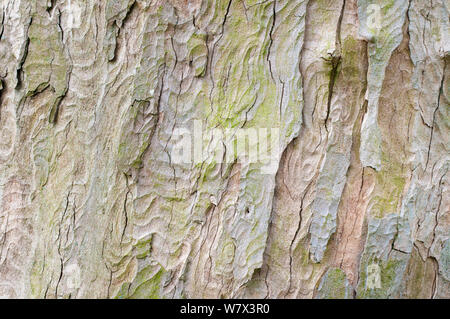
[94, 202]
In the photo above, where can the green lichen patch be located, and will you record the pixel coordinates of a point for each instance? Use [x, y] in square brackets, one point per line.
[334, 285]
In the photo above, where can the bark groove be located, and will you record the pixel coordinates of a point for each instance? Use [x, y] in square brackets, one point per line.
[94, 202]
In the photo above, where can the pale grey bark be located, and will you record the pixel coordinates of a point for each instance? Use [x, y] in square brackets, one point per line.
[93, 204]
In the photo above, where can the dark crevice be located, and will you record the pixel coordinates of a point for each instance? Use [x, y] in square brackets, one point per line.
[339, 27]
[19, 71]
[50, 6]
[21, 62]
[125, 207]
[2, 28]
[281, 99]
[441, 91]
[115, 25]
[30, 94]
[335, 61]
[299, 227]
[58, 22]
[173, 47]
[274, 15]
[2, 89]
[214, 49]
[53, 116]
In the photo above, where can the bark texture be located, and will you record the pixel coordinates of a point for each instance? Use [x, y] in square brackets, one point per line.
[92, 205]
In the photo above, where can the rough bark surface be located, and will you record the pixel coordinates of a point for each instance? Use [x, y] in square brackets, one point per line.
[93, 206]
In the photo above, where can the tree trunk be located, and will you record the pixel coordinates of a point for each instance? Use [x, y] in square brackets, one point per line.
[128, 134]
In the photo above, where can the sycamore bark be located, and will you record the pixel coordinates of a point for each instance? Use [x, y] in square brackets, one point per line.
[93, 205]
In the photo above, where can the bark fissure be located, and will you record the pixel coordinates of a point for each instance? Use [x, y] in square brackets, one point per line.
[96, 201]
